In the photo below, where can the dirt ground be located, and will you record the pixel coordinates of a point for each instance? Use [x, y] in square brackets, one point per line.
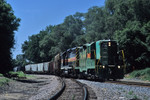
[37, 87]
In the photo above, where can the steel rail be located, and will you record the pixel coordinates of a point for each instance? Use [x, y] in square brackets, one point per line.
[84, 89]
[130, 83]
[56, 95]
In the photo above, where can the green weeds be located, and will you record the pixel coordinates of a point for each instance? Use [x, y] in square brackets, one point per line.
[140, 74]
[19, 74]
[1, 75]
[3, 81]
[130, 92]
[73, 97]
[131, 95]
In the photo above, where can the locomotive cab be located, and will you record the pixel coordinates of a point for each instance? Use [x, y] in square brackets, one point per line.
[108, 66]
[64, 63]
[68, 62]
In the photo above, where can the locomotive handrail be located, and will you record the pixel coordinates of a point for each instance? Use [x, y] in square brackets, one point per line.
[123, 58]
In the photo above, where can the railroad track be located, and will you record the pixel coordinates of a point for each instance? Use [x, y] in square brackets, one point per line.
[130, 83]
[71, 90]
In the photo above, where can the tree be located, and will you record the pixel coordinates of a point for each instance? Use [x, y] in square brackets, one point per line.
[8, 24]
[119, 12]
[134, 41]
[20, 61]
[94, 24]
[31, 48]
[74, 27]
[126, 21]
[54, 39]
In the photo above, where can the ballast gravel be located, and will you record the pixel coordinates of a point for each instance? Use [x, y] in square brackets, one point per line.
[38, 87]
[111, 91]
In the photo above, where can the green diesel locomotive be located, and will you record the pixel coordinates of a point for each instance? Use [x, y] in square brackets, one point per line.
[99, 60]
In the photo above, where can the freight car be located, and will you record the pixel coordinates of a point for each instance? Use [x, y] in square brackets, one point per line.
[40, 68]
[17, 68]
[56, 66]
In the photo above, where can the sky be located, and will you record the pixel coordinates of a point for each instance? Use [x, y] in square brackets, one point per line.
[35, 15]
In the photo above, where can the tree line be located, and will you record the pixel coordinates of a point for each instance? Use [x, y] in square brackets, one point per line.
[126, 21]
[8, 24]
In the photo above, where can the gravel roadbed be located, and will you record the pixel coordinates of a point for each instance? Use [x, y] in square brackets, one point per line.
[109, 91]
[38, 87]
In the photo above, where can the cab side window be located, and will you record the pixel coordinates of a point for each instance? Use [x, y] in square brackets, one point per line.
[93, 51]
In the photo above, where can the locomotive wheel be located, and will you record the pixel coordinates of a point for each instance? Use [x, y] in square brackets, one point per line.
[93, 77]
[79, 76]
[102, 80]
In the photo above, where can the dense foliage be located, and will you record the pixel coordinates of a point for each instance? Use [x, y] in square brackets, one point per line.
[8, 24]
[45, 45]
[126, 21]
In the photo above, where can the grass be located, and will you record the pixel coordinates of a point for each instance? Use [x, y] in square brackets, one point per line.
[135, 97]
[19, 74]
[73, 97]
[131, 96]
[140, 74]
[1, 75]
[3, 80]
[14, 75]
[130, 92]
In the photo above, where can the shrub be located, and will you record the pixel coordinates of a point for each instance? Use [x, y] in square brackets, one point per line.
[19, 74]
[4, 81]
[141, 74]
[1, 75]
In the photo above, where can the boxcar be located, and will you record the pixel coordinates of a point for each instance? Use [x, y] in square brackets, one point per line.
[56, 66]
[40, 68]
[27, 68]
[17, 68]
[34, 68]
[46, 67]
[51, 69]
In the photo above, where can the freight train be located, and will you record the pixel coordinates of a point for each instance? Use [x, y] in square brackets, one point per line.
[97, 60]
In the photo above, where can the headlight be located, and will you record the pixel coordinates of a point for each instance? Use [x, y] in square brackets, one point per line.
[109, 44]
[103, 66]
[118, 66]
